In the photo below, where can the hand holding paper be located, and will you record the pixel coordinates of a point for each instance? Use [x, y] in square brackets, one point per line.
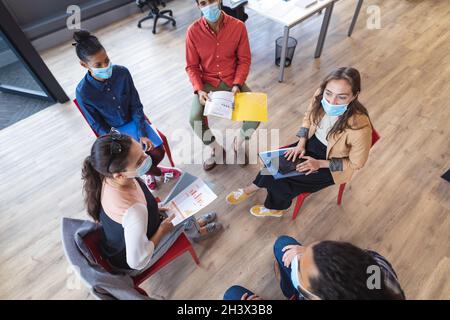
[244, 106]
[195, 196]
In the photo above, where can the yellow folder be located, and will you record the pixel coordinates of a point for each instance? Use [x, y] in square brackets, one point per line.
[250, 106]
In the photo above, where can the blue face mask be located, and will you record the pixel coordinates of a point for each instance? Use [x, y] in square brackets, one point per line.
[103, 73]
[294, 273]
[211, 12]
[144, 167]
[333, 109]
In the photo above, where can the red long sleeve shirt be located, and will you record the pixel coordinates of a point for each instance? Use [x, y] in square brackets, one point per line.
[213, 58]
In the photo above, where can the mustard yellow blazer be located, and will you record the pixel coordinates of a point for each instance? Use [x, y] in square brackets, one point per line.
[347, 151]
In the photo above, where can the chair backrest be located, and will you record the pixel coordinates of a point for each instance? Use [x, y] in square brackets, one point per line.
[84, 116]
[375, 136]
[92, 241]
[96, 134]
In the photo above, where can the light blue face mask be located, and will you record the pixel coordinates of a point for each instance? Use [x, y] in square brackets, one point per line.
[144, 167]
[294, 273]
[333, 109]
[103, 73]
[211, 12]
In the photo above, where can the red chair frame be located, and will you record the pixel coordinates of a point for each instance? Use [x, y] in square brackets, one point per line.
[163, 136]
[302, 196]
[180, 246]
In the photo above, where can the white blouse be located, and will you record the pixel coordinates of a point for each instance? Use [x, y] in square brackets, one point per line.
[324, 127]
[139, 249]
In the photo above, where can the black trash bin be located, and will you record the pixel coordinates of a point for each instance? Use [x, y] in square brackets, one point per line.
[292, 43]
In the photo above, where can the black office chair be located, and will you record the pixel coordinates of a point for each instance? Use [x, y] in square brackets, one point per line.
[235, 9]
[154, 12]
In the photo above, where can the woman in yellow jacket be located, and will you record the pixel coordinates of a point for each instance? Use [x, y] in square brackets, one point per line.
[334, 141]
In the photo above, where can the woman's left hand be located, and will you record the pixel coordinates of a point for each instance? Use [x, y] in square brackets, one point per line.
[290, 252]
[148, 145]
[308, 166]
[163, 209]
[252, 297]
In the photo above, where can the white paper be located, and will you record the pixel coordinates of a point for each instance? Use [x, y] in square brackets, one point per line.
[190, 201]
[221, 105]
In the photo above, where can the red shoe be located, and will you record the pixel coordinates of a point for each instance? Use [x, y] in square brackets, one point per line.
[170, 173]
[150, 181]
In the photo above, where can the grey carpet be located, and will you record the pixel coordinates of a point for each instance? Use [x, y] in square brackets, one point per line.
[14, 107]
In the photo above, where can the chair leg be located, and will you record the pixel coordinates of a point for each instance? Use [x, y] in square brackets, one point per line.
[341, 192]
[168, 152]
[301, 197]
[167, 11]
[194, 255]
[166, 148]
[154, 24]
[150, 16]
[141, 291]
[174, 23]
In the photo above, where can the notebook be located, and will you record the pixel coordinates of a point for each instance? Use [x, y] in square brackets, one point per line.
[131, 129]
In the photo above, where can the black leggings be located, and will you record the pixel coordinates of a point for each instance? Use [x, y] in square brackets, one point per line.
[281, 192]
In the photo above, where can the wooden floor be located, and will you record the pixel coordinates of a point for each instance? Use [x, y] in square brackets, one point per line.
[397, 205]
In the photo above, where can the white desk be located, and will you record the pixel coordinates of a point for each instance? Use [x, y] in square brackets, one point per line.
[289, 14]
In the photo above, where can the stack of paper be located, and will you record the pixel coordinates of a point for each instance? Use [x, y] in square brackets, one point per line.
[245, 106]
[189, 196]
[221, 104]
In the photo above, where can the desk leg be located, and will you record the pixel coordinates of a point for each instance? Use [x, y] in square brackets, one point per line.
[283, 53]
[355, 17]
[323, 30]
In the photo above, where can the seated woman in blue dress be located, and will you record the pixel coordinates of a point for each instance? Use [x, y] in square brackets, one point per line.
[109, 99]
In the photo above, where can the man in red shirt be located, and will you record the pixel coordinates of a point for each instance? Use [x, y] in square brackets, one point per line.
[217, 59]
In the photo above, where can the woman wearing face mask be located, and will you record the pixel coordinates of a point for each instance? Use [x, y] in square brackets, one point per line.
[334, 140]
[108, 98]
[135, 233]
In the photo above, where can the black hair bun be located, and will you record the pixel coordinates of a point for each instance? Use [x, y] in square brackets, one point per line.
[81, 36]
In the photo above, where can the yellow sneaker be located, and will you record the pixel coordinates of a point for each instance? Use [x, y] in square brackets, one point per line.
[261, 212]
[237, 197]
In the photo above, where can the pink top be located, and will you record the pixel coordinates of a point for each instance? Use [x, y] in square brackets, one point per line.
[116, 202]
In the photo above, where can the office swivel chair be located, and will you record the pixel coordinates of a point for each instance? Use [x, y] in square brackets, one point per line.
[235, 9]
[154, 12]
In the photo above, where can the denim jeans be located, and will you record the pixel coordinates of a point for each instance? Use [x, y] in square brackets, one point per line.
[236, 293]
[285, 272]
